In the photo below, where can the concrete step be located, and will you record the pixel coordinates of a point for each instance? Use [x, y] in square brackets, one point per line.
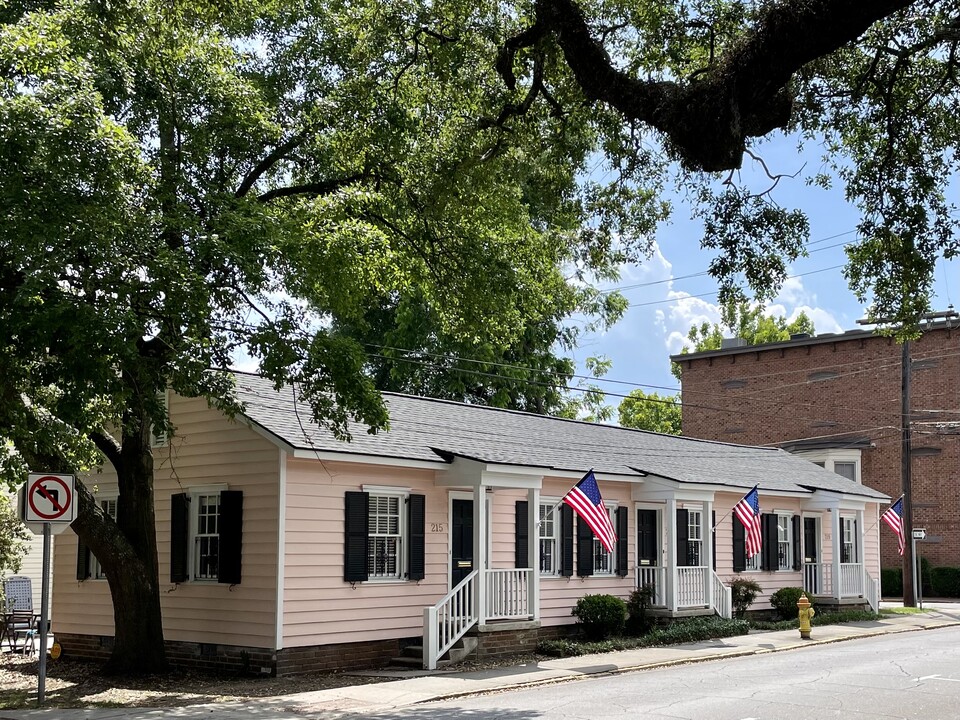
[412, 655]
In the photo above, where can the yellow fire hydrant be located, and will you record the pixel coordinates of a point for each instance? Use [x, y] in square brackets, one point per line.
[805, 613]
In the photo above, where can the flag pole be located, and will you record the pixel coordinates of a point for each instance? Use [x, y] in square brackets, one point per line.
[560, 501]
[717, 523]
[882, 514]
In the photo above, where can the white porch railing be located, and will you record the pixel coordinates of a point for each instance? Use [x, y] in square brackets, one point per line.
[813, 579]
[655, 578]
[691, 586]
[722, 597]
[818, 579]
[449, 620]
[851, 580]
[872, 593]
[508, 594]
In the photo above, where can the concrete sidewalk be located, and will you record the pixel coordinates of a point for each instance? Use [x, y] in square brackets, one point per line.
[414, 687]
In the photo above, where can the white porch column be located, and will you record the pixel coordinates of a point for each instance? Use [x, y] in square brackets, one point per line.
[671, 569]
[480, 549]
[707, 558]
[837, 541]
[533, 550]
[860, 556]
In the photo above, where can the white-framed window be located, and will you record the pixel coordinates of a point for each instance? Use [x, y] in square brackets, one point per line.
[784, 541]
[205, 531]
[604, 561]
[846, 469]
[109, 507]
[848, 540]
[753, 563]
[549, 536]
[843, 461]
[385, 557]
[695, 538]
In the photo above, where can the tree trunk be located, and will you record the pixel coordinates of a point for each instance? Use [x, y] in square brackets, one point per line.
[127, 551]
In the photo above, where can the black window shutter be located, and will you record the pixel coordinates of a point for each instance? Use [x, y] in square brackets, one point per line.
[739, 545]
[769, 538]
[230, 543]
[566, 540]
[416, 546]
[797, 549]
[179, 537]
[520, 553]
[584, 548]
[356, 533]
[623, 543]
[713, 539]
[83, 560]
[683, 537]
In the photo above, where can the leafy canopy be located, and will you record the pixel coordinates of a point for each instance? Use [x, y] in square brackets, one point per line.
[187, 181]
[650, 411]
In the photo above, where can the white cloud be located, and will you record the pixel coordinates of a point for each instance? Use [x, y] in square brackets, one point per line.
[683, 314]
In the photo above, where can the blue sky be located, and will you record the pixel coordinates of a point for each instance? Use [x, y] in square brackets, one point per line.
[666, 305]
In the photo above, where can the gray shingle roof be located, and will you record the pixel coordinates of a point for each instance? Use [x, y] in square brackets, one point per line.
[433, 430]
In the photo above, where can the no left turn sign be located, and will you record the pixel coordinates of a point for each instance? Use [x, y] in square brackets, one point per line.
[50, 499]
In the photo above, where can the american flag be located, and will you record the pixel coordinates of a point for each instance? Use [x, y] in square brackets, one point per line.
[748, 512]
[894, 518]
[584, 498]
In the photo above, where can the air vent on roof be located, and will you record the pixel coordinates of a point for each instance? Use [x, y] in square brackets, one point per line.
[734, 430]
[799, 336]
[736, 342]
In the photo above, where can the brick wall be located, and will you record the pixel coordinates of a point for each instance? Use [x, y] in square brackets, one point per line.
[242, 661]
[846, 386]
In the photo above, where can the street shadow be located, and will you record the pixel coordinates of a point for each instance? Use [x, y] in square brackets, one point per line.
[449, 710]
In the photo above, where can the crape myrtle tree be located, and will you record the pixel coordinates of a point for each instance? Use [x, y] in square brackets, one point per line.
[872, 85]
[182, 181]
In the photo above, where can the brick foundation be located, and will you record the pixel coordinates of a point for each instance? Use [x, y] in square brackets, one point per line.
[233, 660]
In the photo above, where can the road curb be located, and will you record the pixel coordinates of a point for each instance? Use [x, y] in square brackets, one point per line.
[746, 652]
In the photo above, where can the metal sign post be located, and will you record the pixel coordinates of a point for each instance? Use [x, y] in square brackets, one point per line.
[918, 534]
[47, 505]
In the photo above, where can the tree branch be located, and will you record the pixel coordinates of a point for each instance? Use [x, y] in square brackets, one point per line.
[108, 446]
[744, 94]
[268, 162]
[324, 187]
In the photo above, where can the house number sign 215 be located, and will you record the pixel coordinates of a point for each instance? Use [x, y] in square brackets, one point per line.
[436, 527]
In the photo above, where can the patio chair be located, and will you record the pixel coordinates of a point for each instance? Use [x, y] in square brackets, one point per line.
[19, 618]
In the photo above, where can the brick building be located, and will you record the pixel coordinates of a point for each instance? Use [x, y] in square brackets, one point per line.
[836, 399]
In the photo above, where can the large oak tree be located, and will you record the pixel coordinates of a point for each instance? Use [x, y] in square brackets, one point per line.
[873, 86]
[182, 181]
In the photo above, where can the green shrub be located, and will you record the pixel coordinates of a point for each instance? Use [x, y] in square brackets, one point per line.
[945, 582]
[694, 630]
[600, 616]
[680, 631]
[638, 620]
[743, 591]
[785, 600]
[891, 582]
[824, 618]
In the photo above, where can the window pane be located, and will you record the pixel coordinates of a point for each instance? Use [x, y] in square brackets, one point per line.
[549, 542]
[846, 469]
[602, 560]
[206, 548]
[384, 559]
